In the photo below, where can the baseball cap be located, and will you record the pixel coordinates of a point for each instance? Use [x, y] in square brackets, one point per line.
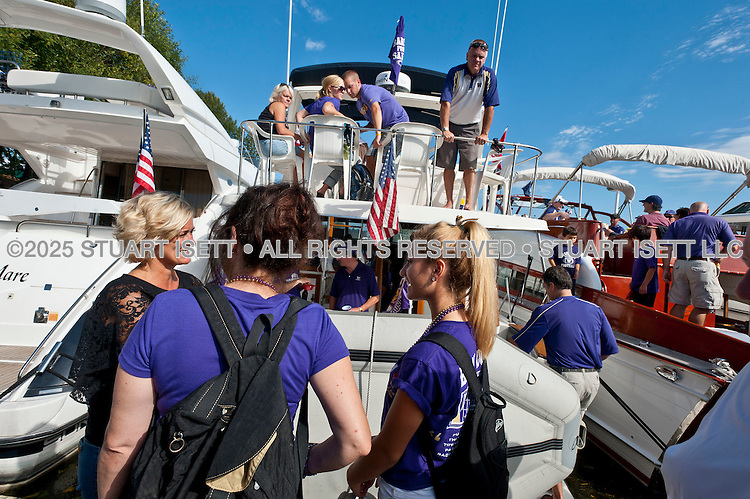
[559, 199]
[670, 212]
[653, 198]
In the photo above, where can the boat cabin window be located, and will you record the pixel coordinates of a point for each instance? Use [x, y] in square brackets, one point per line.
[117, 183]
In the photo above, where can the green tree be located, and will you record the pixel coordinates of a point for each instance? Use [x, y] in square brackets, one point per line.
[213, 103]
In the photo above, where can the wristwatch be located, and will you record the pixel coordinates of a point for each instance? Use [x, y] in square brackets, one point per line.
[446, 129]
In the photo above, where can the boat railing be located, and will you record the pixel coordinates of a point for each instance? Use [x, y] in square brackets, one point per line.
[492, 177]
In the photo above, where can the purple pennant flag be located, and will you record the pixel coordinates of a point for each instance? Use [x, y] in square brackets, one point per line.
[397, 51]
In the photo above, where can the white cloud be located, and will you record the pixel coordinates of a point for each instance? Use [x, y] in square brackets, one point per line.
[311, 45]
[723, 37]
[617, 115]
[318, 15]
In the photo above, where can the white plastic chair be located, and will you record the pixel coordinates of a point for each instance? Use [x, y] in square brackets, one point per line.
[418, 150]
[487, 182]
[328, 149]
[285, 164]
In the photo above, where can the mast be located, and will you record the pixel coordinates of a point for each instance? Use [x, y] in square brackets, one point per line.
[289, 43]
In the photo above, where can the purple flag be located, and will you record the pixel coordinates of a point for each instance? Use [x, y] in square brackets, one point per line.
[397, 51]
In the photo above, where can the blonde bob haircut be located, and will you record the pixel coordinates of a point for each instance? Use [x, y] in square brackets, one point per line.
[328, 81]
[151, 216]
[277, 92]
[471, 279]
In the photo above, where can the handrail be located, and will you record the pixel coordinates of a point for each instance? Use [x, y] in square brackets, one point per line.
[59, 224]
[515, 147]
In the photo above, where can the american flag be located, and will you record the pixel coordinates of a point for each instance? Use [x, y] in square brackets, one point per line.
[383, 220]
[144, 168]
[499, 166]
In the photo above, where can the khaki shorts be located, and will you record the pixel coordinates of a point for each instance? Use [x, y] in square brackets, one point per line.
[586, 386]
[696, 283]
[448, 152]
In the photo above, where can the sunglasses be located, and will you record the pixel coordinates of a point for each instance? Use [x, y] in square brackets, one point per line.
[480, 45]
[340, 89]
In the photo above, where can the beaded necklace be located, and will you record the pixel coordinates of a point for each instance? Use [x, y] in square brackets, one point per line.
[439, 317]
[252, 278]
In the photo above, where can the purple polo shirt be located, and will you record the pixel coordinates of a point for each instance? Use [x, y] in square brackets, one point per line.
[430, 376]
[354, 289]
[173, 345]
[699, 227]
[390, 108]
[640, 267]
[576, 333]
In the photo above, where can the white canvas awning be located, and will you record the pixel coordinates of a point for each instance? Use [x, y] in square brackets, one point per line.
[669, 155]
[589, 176]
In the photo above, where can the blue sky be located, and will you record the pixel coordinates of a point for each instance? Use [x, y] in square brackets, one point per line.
[573, 75]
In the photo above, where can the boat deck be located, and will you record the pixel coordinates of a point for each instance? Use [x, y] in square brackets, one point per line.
[12, 357]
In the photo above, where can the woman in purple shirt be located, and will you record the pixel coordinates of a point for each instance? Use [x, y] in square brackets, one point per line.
[327, 102]
[172, 351]
[426, 383]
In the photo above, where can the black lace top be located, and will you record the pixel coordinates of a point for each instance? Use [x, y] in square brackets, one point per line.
[108, 324]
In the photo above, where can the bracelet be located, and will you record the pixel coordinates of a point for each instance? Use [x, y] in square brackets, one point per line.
[306, 471]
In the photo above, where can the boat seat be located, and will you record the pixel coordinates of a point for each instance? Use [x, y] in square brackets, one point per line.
[418, 149]
[284, 164]
[329, 149]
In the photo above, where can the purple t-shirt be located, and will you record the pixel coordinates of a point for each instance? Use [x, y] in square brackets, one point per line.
[563, 257]
[317, 106]
[576, 333]
[354, 289]
[390, 108]
[640, 267]
[699, 227]
[173, 344]
[430, 376]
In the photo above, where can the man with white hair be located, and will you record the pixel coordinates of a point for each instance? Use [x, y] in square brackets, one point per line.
[696, 275]
[555, 210]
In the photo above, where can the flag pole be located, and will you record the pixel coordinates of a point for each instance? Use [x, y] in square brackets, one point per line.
[143, 24]
[500, 42]
[289, 44]
[494, 37]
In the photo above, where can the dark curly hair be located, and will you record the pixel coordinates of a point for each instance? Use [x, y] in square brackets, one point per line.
[278, 212]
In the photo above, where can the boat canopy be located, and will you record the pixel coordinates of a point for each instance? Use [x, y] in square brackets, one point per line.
[669, 155]
[590, 177]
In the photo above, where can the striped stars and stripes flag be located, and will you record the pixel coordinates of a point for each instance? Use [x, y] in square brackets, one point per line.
[144, 168]
[383, 220]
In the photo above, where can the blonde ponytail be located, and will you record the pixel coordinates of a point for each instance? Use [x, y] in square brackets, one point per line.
[471, 279]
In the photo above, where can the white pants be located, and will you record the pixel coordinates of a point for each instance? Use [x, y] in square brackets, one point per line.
[388, 491]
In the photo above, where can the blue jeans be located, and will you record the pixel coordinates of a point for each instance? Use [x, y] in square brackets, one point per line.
[280, 147]
[88, 455]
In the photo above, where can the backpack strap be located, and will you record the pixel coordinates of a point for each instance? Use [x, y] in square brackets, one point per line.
[222, 320]
[461, 355]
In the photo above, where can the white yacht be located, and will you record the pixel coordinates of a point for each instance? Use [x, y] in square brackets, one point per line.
[81, 136]
[83, 151]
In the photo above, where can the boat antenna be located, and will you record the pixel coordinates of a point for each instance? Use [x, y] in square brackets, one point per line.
[143, 23]
[494, 37]
[289, 44]
[500, 42]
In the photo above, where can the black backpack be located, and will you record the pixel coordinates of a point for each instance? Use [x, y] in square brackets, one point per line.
[478, 466]
[233, 436]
